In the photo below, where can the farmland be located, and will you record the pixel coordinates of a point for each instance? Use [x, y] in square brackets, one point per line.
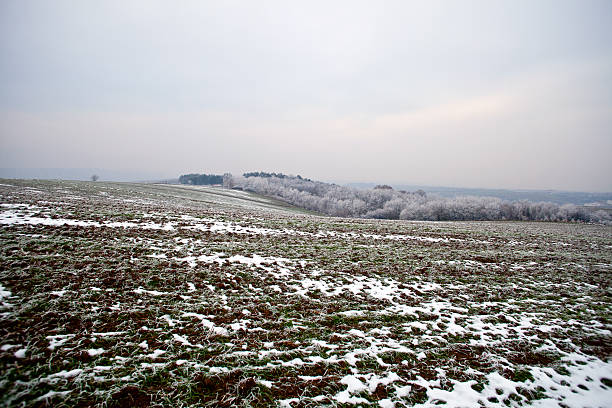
[117, 294]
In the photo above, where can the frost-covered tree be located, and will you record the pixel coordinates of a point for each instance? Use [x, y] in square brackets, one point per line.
[387, 203]
[228, 180]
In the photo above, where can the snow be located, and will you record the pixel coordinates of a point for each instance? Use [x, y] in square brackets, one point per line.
[418, 325]
[67, 374]
[169, 320]
[386, 403]
[58, 340]
[217, 226]
[461, 396]
[310, 377]
[403, 391]
[103, 368]
[22, 214]
[241, 325]
[353, 385]
[323, 344]
[375, 381]
[357, 333]
[51, 394]
[495, 385]
[296, 362]
[265, 383]
[153, 365]
[157, 256]
[215, 370]
[589, 374]
[156, 354]
[183, 340]
[208, 324]
[286, 403]
[432, 307]
[4, 293]
[351, 313]
[141, 291]
[108, 334]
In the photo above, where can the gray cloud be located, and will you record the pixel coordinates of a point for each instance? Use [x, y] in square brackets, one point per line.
[489, 94]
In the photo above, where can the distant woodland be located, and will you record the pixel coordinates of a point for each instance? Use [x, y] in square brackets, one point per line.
[200, 179]
[384, 202]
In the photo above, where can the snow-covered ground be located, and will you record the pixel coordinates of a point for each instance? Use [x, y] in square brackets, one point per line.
[144, 294]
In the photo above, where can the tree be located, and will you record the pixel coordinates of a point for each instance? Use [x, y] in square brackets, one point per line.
[95, 177]
[384, 202]
[200, 179]
[228, 180]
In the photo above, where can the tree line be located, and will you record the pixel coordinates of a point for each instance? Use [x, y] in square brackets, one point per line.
[386, 203]
[200, 179]
[269, 175]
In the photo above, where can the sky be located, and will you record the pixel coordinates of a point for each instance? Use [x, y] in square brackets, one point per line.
[489, 94]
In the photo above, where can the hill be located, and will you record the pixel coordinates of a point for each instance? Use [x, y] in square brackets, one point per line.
[116, 294]
[383, 202]
[602, 200]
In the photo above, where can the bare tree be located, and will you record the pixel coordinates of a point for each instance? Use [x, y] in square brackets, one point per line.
[228, 180]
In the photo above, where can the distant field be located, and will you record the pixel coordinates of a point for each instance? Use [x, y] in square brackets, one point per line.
[116, 294]
[603, 200]
[592, 208]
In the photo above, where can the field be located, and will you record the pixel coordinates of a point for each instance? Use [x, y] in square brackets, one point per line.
[119, 294]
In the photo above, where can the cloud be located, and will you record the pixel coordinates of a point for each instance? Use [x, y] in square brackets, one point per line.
[529, 133]
[482, 95]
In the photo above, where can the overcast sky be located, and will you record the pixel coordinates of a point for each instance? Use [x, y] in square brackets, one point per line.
[501, 94]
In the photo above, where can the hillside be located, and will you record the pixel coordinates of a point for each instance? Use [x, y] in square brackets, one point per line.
[383, 202]
[603, 200]
[116, 294]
